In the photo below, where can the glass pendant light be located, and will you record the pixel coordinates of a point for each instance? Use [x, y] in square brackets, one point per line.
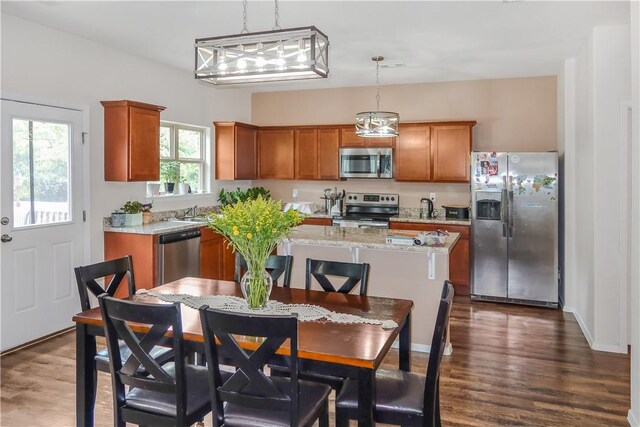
[377, 124]
[289, 54]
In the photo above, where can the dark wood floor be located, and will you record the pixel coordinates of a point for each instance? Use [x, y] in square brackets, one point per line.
[511, 365]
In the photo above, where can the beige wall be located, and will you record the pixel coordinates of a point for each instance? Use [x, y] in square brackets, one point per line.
[512, 115]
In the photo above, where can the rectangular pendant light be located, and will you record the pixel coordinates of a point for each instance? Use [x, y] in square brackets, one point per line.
[289, 54]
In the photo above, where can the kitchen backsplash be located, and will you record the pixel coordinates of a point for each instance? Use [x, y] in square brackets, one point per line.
[410, 192]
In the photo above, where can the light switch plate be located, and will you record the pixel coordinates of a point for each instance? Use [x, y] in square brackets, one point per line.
[295, 193]
[432, 196]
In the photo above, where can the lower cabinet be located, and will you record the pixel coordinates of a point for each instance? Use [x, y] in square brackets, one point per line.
[143, 249]
[459, 258]
[217, 261]
[317, 221]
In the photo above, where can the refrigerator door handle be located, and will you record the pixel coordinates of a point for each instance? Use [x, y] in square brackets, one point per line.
[503, 206]
[510, 211]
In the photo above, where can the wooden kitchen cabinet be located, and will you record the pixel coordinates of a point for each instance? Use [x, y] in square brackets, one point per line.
[451, 152]
[348, 138]
[317, 221]
[459, 258]
[328, 153]
[413, 153]
[143, 249]
[306, 154]
[276, 153]
[131, 141]
[236, 145]
[217, 261]
[316, 153]
[435, 152]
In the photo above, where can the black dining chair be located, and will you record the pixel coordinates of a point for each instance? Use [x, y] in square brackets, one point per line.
[354, 273]
[249, 396]
[173, 394]
[319, 269]
[87, 280]
[277, 265]
[405, 398]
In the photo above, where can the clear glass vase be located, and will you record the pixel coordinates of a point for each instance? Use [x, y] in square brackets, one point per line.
[256, 288]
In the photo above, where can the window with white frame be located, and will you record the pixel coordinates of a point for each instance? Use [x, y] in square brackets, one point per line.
[182, 155]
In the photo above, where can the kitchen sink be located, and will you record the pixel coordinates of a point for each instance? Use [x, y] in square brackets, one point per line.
[199, 219]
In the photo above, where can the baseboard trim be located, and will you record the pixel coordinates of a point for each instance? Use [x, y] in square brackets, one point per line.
[37, 341]
[622, 349]
[583, 327]
[633, 420]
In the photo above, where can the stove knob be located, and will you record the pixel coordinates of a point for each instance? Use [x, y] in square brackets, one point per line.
[387, 198]
[350, 197]
[355, 197]
[393, 198]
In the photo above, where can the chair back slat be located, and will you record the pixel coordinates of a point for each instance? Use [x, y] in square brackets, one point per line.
[249, 386]
[438, 344]
[277, 266]
[121, 318]
[117, 270]
[353, 272]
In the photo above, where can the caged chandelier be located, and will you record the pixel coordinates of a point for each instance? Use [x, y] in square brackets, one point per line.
[266, 56]
[376, 124]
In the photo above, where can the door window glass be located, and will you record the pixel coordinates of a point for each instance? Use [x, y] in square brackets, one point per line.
[41, 153]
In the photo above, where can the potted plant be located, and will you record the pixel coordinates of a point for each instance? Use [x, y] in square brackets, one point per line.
[133, 213]
[254, 228]
[170, 174]
[183, 186]
[146, 212]
[117, 218]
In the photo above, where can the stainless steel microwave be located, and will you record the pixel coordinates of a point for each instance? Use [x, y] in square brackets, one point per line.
[366, 163]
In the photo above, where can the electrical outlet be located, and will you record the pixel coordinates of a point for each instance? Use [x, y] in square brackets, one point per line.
[432, 196]
[295, 193]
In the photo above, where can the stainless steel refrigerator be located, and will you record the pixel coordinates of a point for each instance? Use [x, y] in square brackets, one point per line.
[514, 227]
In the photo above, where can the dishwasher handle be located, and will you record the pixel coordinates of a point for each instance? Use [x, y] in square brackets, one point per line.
[164, 239]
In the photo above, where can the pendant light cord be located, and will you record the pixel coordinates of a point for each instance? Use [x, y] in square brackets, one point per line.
[277, 17]
[378, 85]
[244, 17]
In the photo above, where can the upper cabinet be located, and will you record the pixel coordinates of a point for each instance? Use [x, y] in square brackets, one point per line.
[348, 138]
[328, 146]
[435, 152]
[451, 152]
[131, 141]
[276, 153]
[413, 153]
[236, 145]
[316, 153]
[306, 154]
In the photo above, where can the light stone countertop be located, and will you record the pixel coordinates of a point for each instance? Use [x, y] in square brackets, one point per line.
[371, 238]
[161, 227]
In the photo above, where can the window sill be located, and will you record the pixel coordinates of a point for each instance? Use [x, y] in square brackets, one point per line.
[171, 197]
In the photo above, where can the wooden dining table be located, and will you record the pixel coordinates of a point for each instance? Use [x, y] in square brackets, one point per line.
[353, 350]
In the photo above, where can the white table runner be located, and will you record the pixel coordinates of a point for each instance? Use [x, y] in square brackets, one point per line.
[305, 312]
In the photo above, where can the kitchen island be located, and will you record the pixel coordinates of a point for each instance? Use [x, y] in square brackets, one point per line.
[416, 273]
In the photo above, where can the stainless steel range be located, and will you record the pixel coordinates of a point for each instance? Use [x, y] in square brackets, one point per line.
[363, 210]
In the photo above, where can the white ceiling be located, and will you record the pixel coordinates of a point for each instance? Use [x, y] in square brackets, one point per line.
[438, 41]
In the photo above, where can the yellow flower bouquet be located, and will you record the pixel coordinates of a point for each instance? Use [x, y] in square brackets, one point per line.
[254, 228]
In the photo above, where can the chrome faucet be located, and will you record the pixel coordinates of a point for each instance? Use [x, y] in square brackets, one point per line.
[190, 211]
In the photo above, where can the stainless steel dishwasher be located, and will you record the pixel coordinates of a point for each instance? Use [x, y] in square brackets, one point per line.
[178, 255]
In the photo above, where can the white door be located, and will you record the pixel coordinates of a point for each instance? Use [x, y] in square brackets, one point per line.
[41, 219]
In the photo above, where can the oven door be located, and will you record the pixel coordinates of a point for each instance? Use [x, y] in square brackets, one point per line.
[366, 163]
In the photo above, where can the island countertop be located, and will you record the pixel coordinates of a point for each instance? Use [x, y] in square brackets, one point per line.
[371, 238]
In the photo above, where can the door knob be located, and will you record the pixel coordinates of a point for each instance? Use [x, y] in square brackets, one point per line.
[4, 220]
[6, 238]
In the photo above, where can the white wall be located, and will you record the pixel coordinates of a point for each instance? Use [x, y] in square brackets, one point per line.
[596, 288]
[634, 412]
[60, 68]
